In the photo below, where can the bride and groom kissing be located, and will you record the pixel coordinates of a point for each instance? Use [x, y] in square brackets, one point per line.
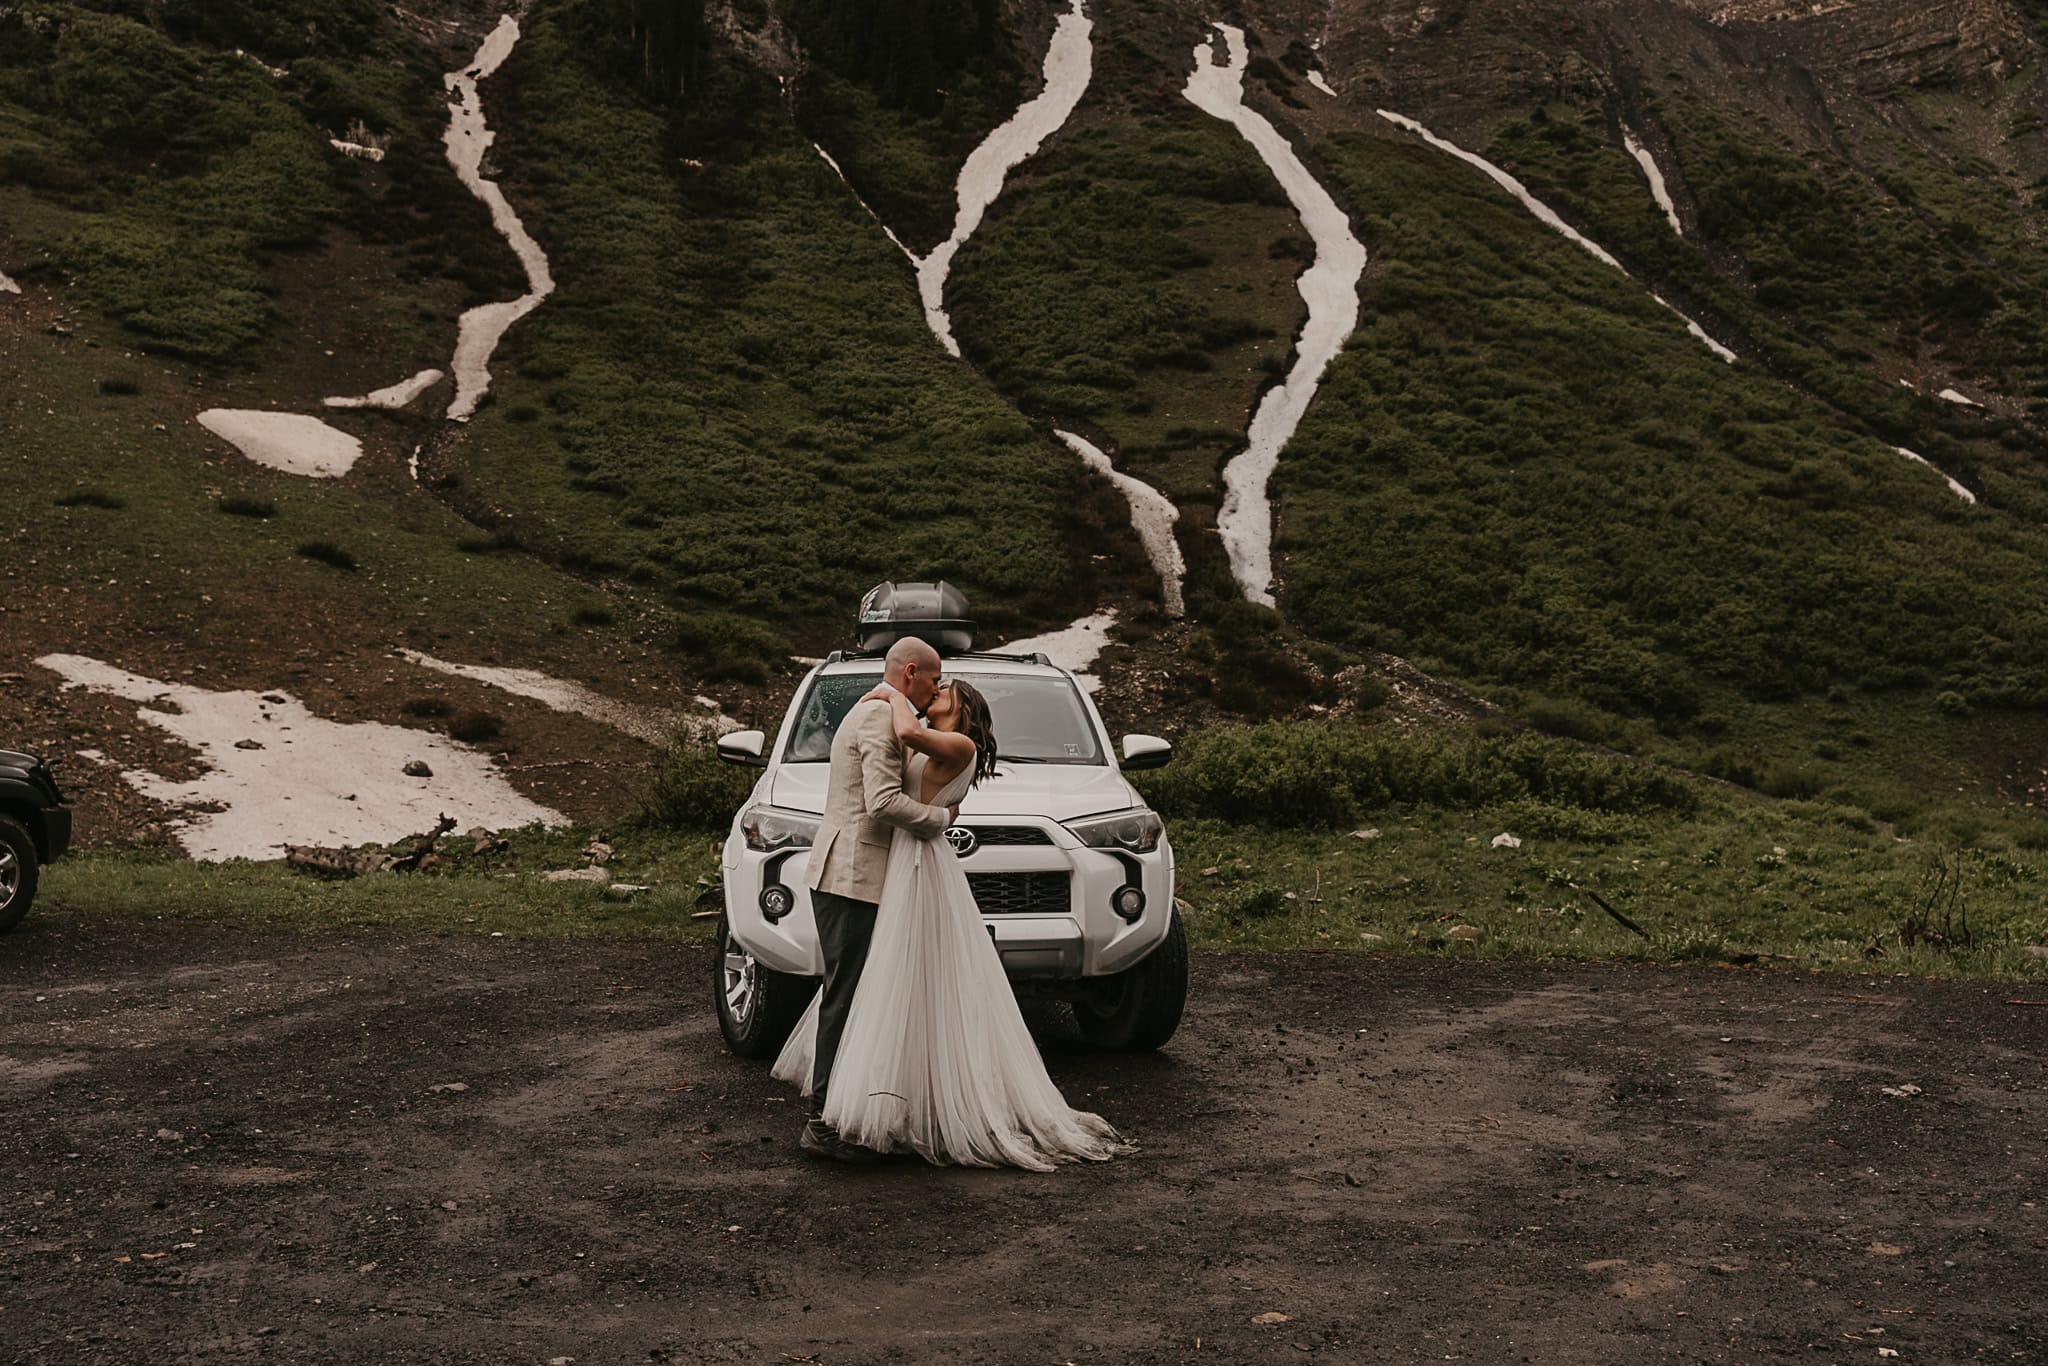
[915, 1043]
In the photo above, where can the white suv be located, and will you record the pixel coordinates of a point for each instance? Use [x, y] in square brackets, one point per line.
[1071, 870]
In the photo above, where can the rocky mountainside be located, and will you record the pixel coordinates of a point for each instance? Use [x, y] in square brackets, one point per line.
[1686, 391]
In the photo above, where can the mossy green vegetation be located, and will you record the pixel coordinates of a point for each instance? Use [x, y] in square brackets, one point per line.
[1138, 279]
[168, 178]
[1524, 470]
[733, 396]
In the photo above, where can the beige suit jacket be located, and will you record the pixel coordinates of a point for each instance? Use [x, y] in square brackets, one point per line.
[864, 805]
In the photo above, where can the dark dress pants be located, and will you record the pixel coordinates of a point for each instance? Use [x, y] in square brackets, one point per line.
[845, 928]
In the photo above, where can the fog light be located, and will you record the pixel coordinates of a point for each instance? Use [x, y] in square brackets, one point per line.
[777, 901]
[1129, 902]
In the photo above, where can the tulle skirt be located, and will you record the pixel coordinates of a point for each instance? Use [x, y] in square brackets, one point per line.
[935, 1058]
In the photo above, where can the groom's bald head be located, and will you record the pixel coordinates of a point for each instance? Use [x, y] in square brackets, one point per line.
[912, 668]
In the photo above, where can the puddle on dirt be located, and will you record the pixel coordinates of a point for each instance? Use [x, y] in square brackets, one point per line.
[1330, 289]
[277, 774]
[291, 442]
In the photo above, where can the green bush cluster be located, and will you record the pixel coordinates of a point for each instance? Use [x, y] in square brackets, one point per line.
[693, 789]
[738, 403]
[1290, 773]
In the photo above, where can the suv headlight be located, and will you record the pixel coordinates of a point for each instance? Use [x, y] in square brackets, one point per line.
[1136, 831]
[768, 828]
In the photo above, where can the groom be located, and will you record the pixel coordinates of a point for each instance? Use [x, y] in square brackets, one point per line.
[850, 858]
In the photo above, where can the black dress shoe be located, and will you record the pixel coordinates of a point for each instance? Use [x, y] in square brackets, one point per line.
[821, 1140]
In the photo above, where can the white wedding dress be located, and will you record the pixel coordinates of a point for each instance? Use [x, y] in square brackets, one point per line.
[935, 1058]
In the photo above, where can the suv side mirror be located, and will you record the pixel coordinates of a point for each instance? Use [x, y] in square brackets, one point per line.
[1146, 751]
[743, 747]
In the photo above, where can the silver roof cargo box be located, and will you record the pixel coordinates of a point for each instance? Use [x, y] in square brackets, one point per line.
[935, 613]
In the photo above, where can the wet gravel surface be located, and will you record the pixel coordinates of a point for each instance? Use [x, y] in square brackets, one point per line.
[229, 1146]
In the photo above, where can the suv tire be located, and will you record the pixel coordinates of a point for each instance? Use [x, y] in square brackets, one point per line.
[18, 872]
[757, 1006]
[1139, 1008]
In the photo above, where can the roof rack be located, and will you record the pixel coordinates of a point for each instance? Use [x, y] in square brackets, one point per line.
[1033, 657]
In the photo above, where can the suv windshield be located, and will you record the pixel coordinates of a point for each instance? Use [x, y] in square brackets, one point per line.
[1038, 717]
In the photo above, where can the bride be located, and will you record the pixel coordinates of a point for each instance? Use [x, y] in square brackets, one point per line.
[935, 1058]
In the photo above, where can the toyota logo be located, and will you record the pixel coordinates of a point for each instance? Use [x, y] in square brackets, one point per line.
[962, 839]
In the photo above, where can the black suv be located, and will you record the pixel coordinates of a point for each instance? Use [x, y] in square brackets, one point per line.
[35, 827]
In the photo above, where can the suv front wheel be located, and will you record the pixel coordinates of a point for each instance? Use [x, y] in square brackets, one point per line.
[18, 871]
[757, 1006]
[1140, 1007]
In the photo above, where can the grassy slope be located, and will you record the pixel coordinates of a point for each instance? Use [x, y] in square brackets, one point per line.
[1137, 277]
[176, 188]
[733, 397]
[1525, 470]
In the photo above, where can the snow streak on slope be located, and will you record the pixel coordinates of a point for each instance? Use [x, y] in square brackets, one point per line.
[1546, 215]
[1320, 82]
[1152, 517]
[1068, 63]
[281, 775]
[467, 139]
[1959, 397]
[8, 286]
[1953, 486]
[886, 229]
[1329, 287]
[1073, 648]
[1653, 173]
[655, 725]
[391, 395]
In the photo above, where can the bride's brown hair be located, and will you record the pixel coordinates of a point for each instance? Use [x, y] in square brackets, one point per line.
[977, 725]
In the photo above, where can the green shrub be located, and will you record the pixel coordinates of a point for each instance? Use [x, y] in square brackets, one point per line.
[475, 727]
[235, 505]
[328, 553]
[1292, 773]
[90, 498]
[731, 647]
[693, 789]
[426, 706]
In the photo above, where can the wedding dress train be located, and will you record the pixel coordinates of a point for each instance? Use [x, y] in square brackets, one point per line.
[935, 1057]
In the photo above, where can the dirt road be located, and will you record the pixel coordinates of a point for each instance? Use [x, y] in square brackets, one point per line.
[222, 1146]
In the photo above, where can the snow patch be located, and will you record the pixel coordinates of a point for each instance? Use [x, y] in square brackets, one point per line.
[282, 775]
[8, 286]
[1655, 175]
[1074, 648]
[1152, 517]
[290, 442]
[655, 725]
[356, 150]
[1329, 287]
[392, 395]
[1958, 396]
[1954, 486]
[1069, 61]
[1547, 216]
[1316, 79]
[467, 139]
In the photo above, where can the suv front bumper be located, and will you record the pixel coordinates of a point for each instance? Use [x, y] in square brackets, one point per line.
[1088, 940]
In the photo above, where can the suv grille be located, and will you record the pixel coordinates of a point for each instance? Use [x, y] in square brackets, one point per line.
[1010, 834]
[1020, 893]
